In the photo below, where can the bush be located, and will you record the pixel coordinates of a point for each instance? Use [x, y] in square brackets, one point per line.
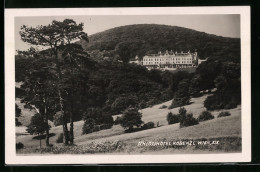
[148, 125]
[105, 126]
[173, 106]
[57, 119]
[188, 120]
[223, 114]
[123, 102]
[205, 115]
[117, 120]
[96, 128]
[88, 126]
[230, 105]
[17, 122]
[163, 107]
[216, 101]
[213, 102]
[60, 138]
[95, 119]
[172, 118]
[19, 145]
[131, 117]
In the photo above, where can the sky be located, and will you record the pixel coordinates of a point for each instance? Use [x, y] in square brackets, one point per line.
[227, 25]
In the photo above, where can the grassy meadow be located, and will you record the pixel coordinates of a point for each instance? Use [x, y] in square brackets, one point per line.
[226, 130]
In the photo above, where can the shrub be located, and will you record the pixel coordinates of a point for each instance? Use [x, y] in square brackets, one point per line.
[17, 122]
[163, 107]
[88, 126]
[172, 118]
[181, 96]
[148, 125]
[230, 105]
[117, 120]
[19, 145]
[182, 113]
[217, 101]
[105, 126]
[223, 114]
[213, 102]
[57, 119]
[96, 128]
[60, 138]
[173, 106]
[123, 102]
[205, 115]
[95, 119]
[131, 117]
[188, 120]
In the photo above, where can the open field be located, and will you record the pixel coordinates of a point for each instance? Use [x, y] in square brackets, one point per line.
[223, 129]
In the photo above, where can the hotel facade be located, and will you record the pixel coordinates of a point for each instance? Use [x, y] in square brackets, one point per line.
[170, 60]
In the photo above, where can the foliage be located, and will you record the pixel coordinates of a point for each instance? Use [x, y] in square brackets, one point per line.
[90, 148]
[181, 97]
[123, 102]
[60, 138]
[163, 107]
[117, 120]
[172, 118]
[227, 144]
[220, 102]
[89, 126]
[57, 119]
[37, 125]
[151, 38]
[98, 115]
[205, 115]
[57, 36]
[19, 145]
[17, 115]
[194, 88]
[186, 119]
[130, 118]
[147, 125]
[95, 119]
[128, 49]
[223, 114]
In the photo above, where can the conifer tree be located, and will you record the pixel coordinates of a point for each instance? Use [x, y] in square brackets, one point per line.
[56, 36]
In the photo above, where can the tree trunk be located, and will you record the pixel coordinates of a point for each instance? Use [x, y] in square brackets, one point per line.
[40, 141]
[65, 128]
[71, 129]
[71, 120]
[46, 121]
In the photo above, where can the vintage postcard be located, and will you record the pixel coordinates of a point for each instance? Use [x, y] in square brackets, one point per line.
[127, 85]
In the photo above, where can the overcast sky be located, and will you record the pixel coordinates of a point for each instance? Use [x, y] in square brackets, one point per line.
[222, 25]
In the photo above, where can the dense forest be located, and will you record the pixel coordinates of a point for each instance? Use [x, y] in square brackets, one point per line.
[151, 38]
[71, 82]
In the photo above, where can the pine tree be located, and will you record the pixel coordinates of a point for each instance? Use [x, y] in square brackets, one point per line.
[56, 36]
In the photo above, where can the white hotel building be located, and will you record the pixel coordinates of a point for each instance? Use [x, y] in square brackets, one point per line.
[170, 60]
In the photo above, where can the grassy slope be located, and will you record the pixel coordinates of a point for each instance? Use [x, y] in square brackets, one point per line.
[218, 127]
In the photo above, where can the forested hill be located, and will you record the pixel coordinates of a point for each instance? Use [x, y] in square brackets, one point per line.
[151, 38]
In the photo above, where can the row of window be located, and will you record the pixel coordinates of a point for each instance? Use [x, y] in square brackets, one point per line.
[164, 59]
[184, 62]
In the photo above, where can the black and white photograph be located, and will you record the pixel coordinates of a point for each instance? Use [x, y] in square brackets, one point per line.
[127, 85]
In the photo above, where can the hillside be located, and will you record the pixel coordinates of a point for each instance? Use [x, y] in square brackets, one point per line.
[220, 128]
[151, 38]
